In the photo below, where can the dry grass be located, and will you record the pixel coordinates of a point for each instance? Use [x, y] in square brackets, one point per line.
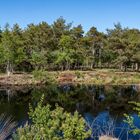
[107, 138]
[7, 125]
[98, 77]
[105, 130]
[17, 79]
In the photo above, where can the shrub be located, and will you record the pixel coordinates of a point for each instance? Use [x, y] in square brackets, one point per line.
[130, 120]
[79, 74]
[39, 74]
[44, 76]
[54, 124]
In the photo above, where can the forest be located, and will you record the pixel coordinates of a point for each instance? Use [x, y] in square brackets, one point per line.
[61, 46]
[39, 55]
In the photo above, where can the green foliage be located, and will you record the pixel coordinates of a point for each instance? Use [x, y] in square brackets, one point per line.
[52, 125]
[64, 55]
[39, 74]
[43, 76]
[12, 49]
[62, 47]
[130, 120]
[79, 74]
[38, 60]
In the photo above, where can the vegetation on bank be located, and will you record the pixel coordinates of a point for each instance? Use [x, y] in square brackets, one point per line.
[130, 120]
[99, 77]
[63, 54]
[61, 46]
[53, 125]
[67, 97]
[96, 77]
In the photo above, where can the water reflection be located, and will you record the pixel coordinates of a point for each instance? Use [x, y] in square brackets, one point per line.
[101, 102]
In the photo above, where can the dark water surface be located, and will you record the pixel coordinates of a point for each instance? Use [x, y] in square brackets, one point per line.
[103, 107]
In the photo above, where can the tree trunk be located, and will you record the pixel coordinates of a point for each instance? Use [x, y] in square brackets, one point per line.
[91, 66]
[75, 65]
[121, 67]
[137, 66]
[125, 68]
[62, 68]
[133, 67]
[9, 68]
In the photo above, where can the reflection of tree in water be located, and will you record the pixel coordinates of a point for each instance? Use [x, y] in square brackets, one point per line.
[15, 102]
[90, 98]
[10, 94]
[7, 93]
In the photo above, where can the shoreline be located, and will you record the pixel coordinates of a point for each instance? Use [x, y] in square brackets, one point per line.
[99, 77]
[18, 80]
[96, 77]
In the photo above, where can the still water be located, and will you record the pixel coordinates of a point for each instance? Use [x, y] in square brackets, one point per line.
[103, 107]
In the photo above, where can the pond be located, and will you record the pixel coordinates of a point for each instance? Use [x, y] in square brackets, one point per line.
[103, 107]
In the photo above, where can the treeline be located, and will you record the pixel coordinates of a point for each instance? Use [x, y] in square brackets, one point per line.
[61, 46]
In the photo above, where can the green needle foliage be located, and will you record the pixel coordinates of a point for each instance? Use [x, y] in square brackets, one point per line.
[60, 46]
[130, 120]
[48, 124]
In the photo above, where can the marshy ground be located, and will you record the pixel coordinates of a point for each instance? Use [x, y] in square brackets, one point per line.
[97, 77]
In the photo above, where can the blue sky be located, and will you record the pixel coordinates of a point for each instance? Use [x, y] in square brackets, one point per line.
[100, 13]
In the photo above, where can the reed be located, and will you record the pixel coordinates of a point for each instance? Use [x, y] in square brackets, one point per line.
[7, 125]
